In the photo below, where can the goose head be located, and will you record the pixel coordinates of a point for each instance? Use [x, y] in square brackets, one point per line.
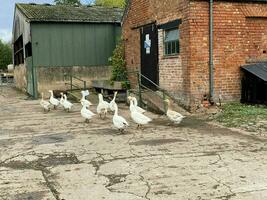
[51, 91]
[168, 102]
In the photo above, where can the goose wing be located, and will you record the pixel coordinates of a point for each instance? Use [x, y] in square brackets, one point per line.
[54, 101]
[140, 118]
[139, 109]
[120, 122]
[86, 102]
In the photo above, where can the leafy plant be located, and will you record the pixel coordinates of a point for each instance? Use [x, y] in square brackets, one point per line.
[5, 55]
[118, 63]
[67, 2]
[111, 3]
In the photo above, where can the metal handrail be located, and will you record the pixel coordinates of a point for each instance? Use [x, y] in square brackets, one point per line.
[140, 85]
[76, 78]
[75, 86]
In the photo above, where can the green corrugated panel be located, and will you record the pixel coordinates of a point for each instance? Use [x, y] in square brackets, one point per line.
[72, 44]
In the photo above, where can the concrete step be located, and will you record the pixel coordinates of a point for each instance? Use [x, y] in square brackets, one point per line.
[154, 101]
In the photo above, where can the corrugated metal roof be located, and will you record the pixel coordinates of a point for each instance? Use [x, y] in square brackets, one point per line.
[257, 69]
[66, 13]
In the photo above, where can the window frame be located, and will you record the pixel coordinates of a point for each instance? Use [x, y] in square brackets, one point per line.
[171, 43]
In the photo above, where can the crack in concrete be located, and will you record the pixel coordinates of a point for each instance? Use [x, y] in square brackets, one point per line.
[226, 197]
[147, 184]
[41, 164]
[97, 162]
[219, 159]
[49, 184]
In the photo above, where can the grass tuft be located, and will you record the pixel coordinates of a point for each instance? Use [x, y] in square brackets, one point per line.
[237, 114]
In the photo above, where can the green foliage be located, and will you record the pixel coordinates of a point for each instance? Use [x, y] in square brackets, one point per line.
[237, 114]
[5, 55]
[119, 72]
[67, 2]
[111, 3]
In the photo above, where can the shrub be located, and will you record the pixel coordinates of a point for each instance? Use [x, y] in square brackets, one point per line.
[118, 63]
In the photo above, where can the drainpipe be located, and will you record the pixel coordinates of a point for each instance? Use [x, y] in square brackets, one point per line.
[211, 67]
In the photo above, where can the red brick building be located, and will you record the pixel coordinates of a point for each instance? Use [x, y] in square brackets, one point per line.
[169, 42]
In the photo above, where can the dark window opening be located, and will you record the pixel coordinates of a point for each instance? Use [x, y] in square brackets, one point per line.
[18, 51]
[171, 42]
[28, 49]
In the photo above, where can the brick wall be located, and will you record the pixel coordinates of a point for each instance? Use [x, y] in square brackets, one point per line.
[240, 36]
[172, 71]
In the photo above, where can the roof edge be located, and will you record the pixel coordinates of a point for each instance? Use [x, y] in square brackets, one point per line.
[19, 6]
[126, 10]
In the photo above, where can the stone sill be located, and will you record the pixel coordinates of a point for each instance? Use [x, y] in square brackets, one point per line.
[171, 56]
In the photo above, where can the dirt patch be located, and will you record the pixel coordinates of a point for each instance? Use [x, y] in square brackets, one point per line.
[29, 196]
[45, 161]
[156, 142]
[115, 179]
[164, 192]
[51, 139]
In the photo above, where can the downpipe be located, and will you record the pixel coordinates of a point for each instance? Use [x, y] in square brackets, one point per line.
[211, 65]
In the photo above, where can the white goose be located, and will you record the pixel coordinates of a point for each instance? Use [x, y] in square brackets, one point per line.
[102, 107]
[61, 101]
[83, 100]
[139, 118]
[67, 104]
[174, 116]
[45, 104]
[86, 113]
[53, 100]
[118, 121]
[138, 109]
[113, 102]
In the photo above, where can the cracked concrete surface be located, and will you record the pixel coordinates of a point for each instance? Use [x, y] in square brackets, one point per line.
[58, 156]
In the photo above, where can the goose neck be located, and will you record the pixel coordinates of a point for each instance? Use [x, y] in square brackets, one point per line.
[135, 101]
[116, 110]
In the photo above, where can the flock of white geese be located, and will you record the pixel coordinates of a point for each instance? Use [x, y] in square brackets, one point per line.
[137, 113]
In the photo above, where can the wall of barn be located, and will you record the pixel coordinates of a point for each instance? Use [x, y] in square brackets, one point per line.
[173, 72]
[73, 44]
[240, 37]
[240, 32]
[52, 78]
[20, 77]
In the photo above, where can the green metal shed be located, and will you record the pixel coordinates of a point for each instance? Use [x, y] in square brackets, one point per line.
[63, 36]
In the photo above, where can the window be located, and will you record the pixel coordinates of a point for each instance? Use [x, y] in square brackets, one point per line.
[28, 49]
[171, 42]
[18, 51]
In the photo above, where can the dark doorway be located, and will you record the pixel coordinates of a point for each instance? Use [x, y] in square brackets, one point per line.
[254, 83]
[149, 55]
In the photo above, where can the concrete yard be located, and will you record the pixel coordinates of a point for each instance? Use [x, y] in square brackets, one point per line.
[58, 156]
